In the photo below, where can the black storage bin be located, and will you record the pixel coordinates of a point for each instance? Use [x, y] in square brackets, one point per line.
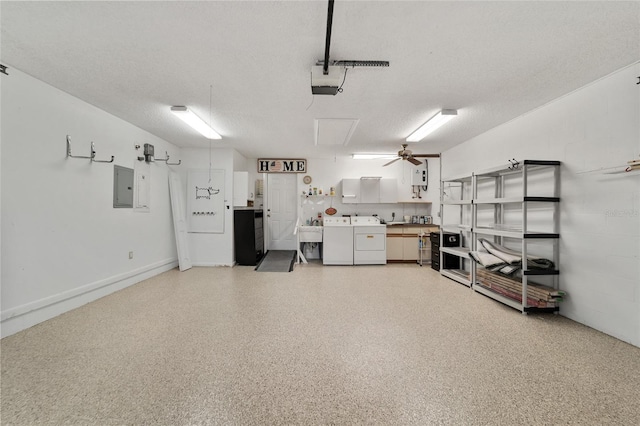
[451, 240]
[450, 261]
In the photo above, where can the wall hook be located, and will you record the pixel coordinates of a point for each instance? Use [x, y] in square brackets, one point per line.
[166, 160]
[75, 156]
[166, 154]
[92, 157]
[173, 164]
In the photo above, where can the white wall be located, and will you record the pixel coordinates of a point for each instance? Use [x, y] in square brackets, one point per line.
[209, 249]
[329, 172]
[595, 127]
[63, 244]
[326, 173]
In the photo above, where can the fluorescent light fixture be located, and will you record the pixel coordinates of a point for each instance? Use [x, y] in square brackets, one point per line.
[194, 121]
[432, 124]
[373, 156]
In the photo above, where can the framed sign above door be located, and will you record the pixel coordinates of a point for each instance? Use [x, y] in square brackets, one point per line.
[284, 165]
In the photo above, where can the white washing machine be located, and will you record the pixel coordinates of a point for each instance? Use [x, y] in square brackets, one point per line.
[369, 241]
[337, 241]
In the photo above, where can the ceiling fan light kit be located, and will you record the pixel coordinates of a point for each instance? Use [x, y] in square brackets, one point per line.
[186, 115]
[432, 124]
[408, 155]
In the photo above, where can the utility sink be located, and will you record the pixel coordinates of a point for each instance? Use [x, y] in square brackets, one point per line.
[310, 234]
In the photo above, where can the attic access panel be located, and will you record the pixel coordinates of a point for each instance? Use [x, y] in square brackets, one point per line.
[334, 131]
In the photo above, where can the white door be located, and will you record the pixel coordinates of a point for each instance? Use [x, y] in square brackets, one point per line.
[281, 211]
[179, 223]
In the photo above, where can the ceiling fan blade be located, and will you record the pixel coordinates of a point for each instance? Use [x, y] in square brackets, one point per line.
[390, 162]
[414, 161]
[427, 155]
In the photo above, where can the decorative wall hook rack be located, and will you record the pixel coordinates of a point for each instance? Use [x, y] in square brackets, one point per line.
[91, 157]
[166, 160]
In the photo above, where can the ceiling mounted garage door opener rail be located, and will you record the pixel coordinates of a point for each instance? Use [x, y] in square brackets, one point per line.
[326, 76]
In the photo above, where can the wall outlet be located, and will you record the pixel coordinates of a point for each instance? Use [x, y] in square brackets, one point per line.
[130, 255]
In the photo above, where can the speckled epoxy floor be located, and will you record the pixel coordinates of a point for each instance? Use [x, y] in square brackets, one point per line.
[393, 345]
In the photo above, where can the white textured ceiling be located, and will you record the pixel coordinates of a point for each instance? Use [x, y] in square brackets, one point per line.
[493, 61]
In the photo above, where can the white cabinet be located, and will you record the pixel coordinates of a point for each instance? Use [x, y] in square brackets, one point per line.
[388, 190]
[369, 191]
[240, 189]
[350, 191]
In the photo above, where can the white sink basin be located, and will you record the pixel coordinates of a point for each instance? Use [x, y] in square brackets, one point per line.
[310, 234]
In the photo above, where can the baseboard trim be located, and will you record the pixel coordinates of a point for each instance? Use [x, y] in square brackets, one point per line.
[24, 316]
[207, 264]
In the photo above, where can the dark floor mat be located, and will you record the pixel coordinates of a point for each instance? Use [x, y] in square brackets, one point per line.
[277, 261]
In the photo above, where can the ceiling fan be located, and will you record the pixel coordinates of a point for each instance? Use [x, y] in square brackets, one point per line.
[407, 154]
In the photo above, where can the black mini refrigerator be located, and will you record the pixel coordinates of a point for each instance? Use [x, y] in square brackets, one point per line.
[248, 236]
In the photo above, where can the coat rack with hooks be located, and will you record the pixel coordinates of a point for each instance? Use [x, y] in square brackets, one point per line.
[91, 157]
[166, 154]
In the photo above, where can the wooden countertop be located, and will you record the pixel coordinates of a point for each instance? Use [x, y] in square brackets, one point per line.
[403, 224]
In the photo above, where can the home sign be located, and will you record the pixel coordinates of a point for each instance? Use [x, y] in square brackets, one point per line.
[285, 165]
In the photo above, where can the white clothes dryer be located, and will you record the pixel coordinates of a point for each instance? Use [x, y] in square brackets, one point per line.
[369, 241]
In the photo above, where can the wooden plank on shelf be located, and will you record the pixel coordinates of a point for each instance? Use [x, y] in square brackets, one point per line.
[537, 294]
[517, 297]
[497, 296]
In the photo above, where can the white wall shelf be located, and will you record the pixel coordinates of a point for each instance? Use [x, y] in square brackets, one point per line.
[460, 275]
[514, 200]
[456, 251]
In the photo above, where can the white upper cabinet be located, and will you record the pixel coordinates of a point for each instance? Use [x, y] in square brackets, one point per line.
[369, 191]
[389, 190]
[240, 189]
[350, 191]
